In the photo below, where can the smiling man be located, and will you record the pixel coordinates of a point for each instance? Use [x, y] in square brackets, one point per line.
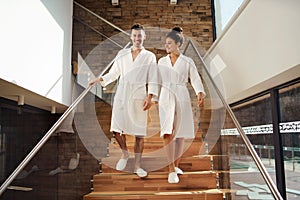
[135, 67]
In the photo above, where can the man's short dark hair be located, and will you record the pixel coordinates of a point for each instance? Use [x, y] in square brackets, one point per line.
[137, 26]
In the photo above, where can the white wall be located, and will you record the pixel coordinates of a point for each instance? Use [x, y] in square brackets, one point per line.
[260, 49]
[36, 38]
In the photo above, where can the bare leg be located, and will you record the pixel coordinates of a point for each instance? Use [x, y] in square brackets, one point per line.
[179, 150]
[170, 147]
[138, 150]
[121, 139]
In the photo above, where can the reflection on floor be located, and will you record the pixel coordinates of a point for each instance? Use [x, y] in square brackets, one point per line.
[250, 189]
[254, 191]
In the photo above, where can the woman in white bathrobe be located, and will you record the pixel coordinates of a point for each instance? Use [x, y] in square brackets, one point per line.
[137, 72]
[175, 111]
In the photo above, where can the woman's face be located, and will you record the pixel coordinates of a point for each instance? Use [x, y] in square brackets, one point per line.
[171, 46]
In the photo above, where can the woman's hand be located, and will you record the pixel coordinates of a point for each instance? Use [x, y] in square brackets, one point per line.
[200, 99]
[147, 102]
[95, 81]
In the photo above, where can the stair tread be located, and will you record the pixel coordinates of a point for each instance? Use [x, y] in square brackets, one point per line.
[154, 173]
[179, 191]
[155, 181]
[159, 163]
[210, 194]
[117, 173]
[151, 156]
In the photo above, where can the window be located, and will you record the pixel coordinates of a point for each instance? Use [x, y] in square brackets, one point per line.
[224, 11]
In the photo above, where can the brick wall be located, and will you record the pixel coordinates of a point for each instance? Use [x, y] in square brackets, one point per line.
[194, 16]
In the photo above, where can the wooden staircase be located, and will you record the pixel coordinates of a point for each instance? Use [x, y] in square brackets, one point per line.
[199, 181]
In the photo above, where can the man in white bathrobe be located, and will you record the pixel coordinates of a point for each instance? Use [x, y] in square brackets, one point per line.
[136, 69]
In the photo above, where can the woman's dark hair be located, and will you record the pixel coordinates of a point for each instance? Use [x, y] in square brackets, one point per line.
[176, 35]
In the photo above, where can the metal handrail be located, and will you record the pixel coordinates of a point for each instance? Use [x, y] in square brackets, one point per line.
[99, 17]
[247, 142]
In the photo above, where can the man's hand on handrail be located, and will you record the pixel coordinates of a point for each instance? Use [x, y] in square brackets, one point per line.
[95, 81]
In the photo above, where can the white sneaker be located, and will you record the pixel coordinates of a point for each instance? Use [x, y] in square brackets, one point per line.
[178, 170]
[140, 172]
[173, 178]
[121, 164]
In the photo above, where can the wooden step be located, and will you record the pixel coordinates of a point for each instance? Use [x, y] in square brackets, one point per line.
[187, 164]
[212, 194]
[192, 147]
[155, 181]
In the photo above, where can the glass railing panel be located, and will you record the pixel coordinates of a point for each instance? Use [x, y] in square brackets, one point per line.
[18, 138]
[97, 42]
[255, 117]
[63, 167]
[289, 99]
[97, 62]
[246, 181]
[96, 38]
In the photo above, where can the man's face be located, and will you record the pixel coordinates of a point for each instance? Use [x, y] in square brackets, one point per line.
[137, 37]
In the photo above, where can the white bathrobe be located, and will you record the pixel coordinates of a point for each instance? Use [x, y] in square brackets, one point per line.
[175, 110]
[127, 111]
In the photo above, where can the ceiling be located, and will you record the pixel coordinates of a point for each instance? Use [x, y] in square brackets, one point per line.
[12, 91]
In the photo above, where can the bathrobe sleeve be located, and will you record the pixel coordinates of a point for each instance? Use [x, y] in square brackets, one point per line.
[195, 78]
[112, 75]
[153, 77]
